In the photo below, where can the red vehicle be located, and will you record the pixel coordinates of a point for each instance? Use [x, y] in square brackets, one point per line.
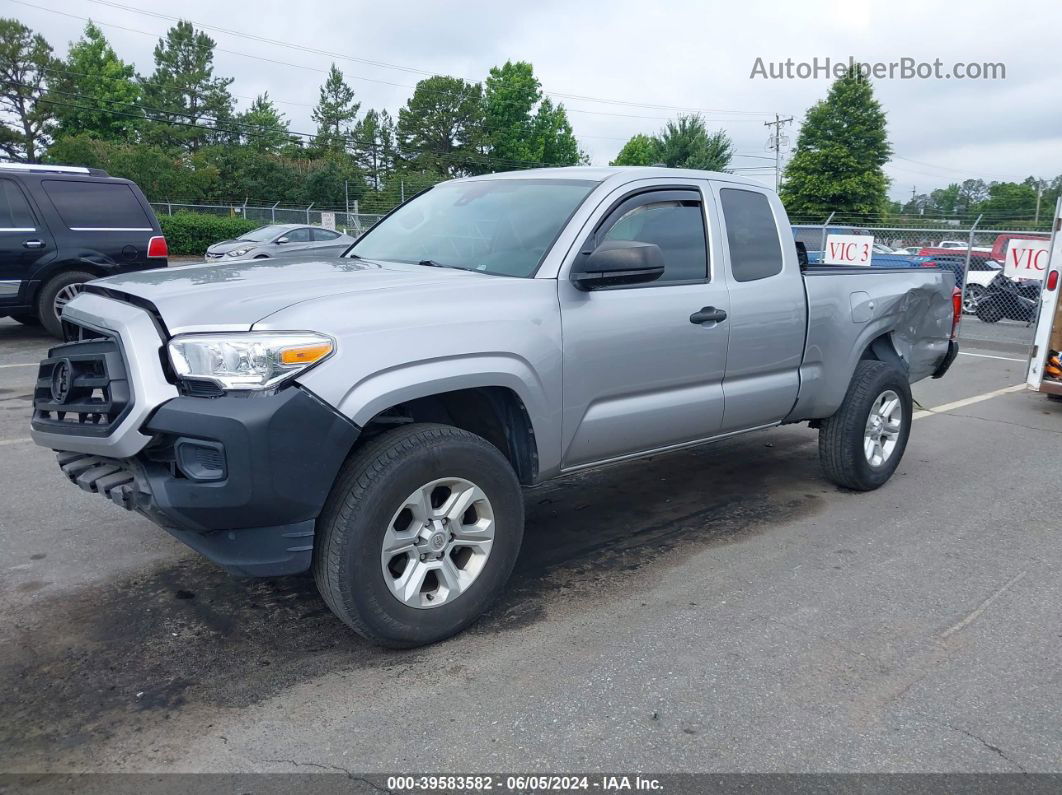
[997, 253]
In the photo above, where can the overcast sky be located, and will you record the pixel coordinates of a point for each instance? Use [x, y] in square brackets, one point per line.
[650, 61]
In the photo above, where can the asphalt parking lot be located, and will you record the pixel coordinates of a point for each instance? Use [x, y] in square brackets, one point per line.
[721, 609]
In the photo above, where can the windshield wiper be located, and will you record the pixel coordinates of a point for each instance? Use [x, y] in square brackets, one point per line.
[431, 263]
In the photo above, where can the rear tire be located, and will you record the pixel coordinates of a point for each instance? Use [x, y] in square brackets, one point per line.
[55, 294]
[861, 445]
[971, 297]
[360, 579]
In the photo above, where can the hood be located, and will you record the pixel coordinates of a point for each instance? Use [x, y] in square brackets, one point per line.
[229, 245]
[234, 295]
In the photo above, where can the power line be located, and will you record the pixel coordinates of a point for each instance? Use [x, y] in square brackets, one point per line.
[402, 68]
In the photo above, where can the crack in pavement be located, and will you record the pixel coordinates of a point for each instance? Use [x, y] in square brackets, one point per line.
[994, 748]
[343, 770]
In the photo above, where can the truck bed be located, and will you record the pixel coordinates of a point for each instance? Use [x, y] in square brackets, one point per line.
[850, 307]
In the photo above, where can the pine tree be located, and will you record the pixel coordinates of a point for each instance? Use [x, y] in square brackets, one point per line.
[441, 127]
[26, 62]
[182, 95]
[374, 142]
[335, 111]
[263, 127]
[840, 153]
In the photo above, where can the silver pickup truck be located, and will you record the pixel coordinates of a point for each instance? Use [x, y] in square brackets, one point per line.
[374, 416]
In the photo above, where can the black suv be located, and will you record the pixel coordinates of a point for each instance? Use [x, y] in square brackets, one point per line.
[61, 226]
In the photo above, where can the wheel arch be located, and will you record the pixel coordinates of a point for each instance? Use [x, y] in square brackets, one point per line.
[495, 413]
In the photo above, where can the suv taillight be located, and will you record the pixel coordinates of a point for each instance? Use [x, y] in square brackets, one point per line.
[956, 311]
[157, 247]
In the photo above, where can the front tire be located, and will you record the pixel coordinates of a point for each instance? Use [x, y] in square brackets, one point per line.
[57, 293]
[861, 445]
[419, 534]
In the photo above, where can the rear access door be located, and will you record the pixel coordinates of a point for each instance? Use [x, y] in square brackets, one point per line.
[768, 308]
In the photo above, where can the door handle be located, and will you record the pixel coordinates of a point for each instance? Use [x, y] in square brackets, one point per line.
[708, 314]
[33, 244]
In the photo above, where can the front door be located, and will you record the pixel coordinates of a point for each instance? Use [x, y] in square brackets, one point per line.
[644, 364]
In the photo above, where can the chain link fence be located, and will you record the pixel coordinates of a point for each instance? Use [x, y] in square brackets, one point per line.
[353, 223]
[1000, 300]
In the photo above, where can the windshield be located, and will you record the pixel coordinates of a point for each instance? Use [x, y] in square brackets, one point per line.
[263, 234]
[498, 226]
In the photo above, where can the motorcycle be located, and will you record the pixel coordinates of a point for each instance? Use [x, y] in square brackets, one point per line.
[1006, 298]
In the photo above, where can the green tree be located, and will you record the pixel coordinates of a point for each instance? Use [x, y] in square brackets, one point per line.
[331, 181]
[95, 92]
[262, 127]
[440, 128]
[25, 63]
[375, 141]
[523, 129]
[686, 143]
[1009, 197]
[182, 95]
[840, 153]
[512, 91]
[640, 150]
[161, 173]
[335, 111]
[552, 139]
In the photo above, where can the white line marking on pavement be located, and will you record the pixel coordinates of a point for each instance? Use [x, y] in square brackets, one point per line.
[27, 364]
[15, 441]
[984, 605]
[986, 356]
[958, 404]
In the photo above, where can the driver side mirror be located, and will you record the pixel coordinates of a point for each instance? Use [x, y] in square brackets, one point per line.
[283, 239]
[619, 262]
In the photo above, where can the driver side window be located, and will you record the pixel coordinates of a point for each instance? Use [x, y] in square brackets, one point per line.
[300, 235]
[672, 220]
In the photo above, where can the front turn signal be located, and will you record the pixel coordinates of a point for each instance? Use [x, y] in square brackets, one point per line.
[305, 354]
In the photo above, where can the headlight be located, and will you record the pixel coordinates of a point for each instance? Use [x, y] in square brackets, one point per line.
[248, 360]
[239, 252]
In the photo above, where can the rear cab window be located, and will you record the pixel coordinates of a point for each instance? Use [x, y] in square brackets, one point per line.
[15, 212]
[86, 206]
[752, 235]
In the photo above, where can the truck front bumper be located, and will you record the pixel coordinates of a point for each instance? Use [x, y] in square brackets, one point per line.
[240, 479]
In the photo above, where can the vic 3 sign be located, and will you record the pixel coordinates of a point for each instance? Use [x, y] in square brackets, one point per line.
[849, 250]
[1026, 259]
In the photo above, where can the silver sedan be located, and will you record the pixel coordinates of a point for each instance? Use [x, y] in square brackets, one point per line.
[279, 239]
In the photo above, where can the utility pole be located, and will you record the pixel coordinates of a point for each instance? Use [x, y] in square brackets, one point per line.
[776, 142]
[1039, 193]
